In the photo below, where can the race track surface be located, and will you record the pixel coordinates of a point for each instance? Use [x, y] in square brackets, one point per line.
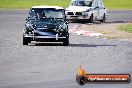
[53, 65]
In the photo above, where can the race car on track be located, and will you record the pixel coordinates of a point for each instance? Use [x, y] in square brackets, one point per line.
[88, 10]
[46, 23]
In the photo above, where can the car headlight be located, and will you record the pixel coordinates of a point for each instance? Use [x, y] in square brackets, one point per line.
[64, 26]
[29, 26]
[60, 26]
[84, 14]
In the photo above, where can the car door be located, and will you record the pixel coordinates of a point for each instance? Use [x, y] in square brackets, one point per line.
[96, 9]
[101, 10]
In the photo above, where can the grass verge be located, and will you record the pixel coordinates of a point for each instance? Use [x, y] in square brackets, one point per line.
[111, 31]
[20, 4]
[127, 28]
[118, 4]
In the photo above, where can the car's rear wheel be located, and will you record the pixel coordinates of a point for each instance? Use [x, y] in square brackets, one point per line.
[66, 41]
[103, 19]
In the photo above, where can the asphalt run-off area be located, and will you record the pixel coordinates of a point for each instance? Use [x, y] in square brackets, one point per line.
[51, 65]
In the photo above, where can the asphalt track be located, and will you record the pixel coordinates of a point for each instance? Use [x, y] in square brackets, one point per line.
[53, 65]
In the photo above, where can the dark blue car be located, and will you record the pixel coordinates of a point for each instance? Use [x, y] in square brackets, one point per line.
[46, 23]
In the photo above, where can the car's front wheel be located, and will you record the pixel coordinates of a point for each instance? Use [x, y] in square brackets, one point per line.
[26, 41]
[91, 19]
[66, 41]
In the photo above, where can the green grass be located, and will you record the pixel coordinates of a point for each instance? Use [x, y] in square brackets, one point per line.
[20, 4]
[118, 4]
[9, 4]
[127, 28]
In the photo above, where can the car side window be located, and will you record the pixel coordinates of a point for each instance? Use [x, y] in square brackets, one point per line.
[95, 4]
[100, 4]
[32, 14]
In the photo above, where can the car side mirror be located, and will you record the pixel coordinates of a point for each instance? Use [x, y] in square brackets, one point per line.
[27, 18]
[97, 7]
[66, 18]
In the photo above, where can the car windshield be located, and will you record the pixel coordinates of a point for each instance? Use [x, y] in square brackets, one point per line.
[37, 13]
[81, 3]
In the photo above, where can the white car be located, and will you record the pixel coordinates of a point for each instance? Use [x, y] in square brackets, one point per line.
[88, 10]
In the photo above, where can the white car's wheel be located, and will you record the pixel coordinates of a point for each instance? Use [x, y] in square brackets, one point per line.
[91, 19]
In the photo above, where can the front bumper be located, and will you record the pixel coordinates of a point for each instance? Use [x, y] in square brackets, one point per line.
[70, 17]
[46, 38]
